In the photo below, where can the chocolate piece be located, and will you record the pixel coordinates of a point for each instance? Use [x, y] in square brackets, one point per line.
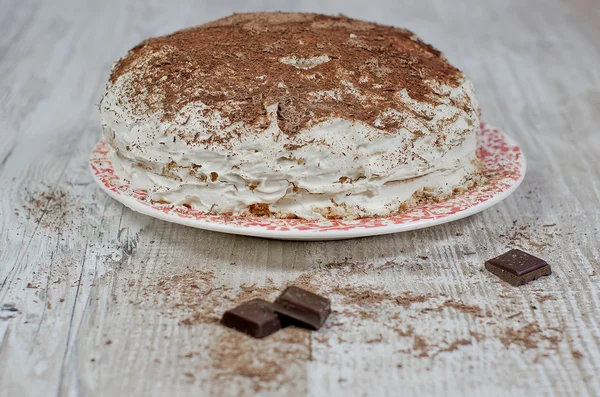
[302, 307]
[255, 318]
[517, 267]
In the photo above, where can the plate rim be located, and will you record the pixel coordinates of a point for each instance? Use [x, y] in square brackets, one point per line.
[311, 234]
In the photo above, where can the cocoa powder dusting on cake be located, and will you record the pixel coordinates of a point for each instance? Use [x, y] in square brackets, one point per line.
[312, 66]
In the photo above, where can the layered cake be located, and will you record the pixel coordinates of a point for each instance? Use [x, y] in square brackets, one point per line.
[293, 116]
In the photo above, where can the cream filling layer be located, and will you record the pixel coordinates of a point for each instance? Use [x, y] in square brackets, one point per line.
[334, 167]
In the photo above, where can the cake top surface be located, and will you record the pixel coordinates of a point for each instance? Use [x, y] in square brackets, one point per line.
[312, 66]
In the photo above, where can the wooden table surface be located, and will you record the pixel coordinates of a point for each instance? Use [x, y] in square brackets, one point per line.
[96, 300]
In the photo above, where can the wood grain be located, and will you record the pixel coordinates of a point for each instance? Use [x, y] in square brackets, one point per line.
[110, 302]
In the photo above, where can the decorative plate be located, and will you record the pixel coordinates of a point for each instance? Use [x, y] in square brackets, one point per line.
[503, 162]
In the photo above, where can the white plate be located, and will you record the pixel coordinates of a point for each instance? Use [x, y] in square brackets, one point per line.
[504, 165]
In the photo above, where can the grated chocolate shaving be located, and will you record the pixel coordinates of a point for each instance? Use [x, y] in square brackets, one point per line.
[313, 66]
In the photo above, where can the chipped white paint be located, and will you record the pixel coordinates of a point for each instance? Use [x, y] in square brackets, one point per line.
[91, 264]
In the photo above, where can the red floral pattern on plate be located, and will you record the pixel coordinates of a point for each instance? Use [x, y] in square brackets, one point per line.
[503, 165]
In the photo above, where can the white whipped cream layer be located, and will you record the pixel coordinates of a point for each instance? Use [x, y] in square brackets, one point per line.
[336, 167]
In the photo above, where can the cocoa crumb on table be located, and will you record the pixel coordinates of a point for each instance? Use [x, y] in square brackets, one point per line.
[196, 298]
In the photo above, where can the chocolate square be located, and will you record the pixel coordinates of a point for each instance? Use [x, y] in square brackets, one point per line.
[301, 307]
[517, 267]
[255, 318]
